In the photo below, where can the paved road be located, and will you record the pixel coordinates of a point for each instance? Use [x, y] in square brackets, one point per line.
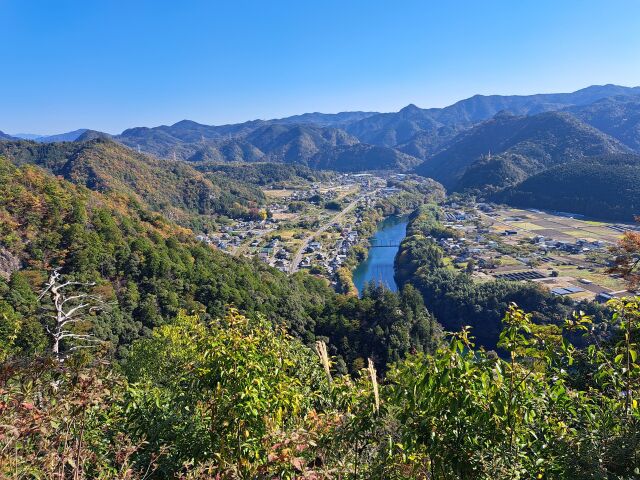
[297, 258]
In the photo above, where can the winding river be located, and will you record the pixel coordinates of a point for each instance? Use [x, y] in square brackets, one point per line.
[378, 266]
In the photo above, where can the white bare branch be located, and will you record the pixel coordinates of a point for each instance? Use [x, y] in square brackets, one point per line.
[78, 305]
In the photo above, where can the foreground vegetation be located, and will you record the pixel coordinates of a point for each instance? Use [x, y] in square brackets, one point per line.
[239, 398]
[128, 350]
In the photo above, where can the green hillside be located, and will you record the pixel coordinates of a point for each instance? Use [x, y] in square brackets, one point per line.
[362, 157]
[150, 269]
[237, 388]
[616, 116]
[174, 188]
[522, 145]
[601, 187]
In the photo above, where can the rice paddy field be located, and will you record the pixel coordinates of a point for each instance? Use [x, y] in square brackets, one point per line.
[573, 271]
[530, 223]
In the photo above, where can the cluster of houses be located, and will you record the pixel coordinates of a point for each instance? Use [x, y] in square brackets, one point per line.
[581, 245]
[336, 255]
[275, 255]
[232, 236]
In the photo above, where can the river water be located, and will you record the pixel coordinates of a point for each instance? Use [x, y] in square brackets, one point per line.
[378, 266]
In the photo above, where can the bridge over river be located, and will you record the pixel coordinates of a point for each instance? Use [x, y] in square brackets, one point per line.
[378, 266]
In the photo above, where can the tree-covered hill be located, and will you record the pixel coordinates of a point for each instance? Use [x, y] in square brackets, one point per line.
[523, 145]
[296, 143]
[361, 157]
[219, 393]
[148, 268]
[174, 188]
[265, 173]
[615, 116]
[601, 187]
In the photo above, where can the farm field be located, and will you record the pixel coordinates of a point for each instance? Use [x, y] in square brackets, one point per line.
[568, 255]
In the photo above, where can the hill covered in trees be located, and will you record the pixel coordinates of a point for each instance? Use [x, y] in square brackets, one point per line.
[174, 188]
[600, 187]
[265, 173]
[516, 144]
[616, 116]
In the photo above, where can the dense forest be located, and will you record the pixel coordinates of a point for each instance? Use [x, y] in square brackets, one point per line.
[523, 145]
[185, 195]
[599, 187]
[455, 299]
[265, 173]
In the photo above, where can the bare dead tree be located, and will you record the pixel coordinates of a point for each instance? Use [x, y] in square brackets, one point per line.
[70, 309]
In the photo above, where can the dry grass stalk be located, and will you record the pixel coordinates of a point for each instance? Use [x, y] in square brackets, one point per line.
[321, 349]
[374, 382]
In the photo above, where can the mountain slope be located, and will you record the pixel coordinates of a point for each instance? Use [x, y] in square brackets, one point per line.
[616, 116]
[147, 266]
[389, 129]
[88, 135]
[174, 188]
[602, 187]
[62, 137]
[275, 142]
[483, 107]
[251, 141]
[362, 157]
[325, 119]
[522, 145]
[6, 136]
[296, 143]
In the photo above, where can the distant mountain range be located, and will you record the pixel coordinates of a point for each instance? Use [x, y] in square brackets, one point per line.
[62, 137]
[489, 143]
[617, 116]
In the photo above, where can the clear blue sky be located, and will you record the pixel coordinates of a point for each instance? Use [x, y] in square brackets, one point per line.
[113, 64]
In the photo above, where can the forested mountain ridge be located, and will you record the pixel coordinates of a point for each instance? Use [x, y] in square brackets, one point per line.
[526, 144]
[616, 116]
[173, 188]
[600, 187]
[265, 173]
[417, 132]
[305, 144]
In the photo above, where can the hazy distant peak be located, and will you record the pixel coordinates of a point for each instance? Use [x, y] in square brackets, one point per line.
[411, 108]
